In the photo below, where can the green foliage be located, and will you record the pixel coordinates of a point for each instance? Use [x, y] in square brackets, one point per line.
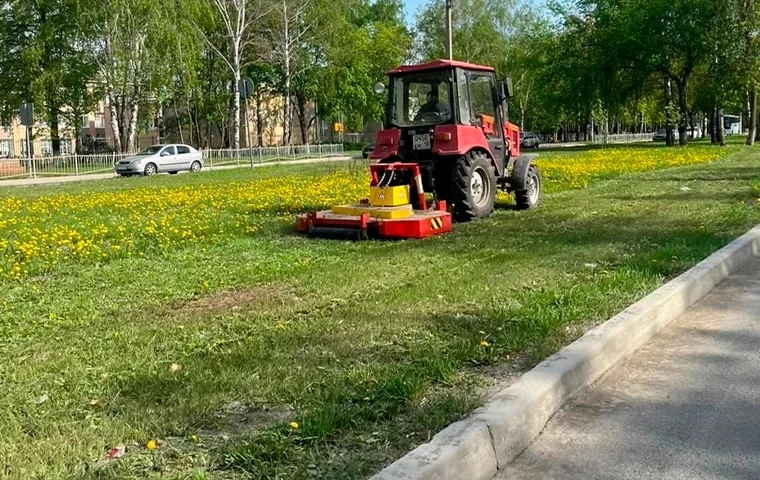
[368, 40]
[45, 59]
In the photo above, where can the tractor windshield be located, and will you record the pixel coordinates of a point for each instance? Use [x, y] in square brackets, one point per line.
[420, 99]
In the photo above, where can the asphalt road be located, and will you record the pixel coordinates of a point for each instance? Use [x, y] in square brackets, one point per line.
[685, 406]
[19, 182]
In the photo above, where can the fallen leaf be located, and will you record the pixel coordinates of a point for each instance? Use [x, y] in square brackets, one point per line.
[43, 398]
[94, 402]
[176, 367]
[117, 451]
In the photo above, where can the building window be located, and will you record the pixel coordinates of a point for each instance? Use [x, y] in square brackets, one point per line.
[99, 121]
[46, 148]
[66, 147]
[85, 121]
[6, 148]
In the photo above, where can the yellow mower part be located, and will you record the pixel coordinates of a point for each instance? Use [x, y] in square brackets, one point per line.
[389, 196]
[385, 213]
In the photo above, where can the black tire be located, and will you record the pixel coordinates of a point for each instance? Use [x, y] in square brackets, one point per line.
[195, 166]
[473, 187]
[530, 197]
[150, 170]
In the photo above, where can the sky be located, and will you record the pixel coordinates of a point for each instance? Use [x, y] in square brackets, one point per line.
[411, 7]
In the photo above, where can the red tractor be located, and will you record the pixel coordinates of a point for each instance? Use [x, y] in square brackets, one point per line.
[447, 137]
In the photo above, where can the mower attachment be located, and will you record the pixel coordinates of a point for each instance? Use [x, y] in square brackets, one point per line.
[388, 213]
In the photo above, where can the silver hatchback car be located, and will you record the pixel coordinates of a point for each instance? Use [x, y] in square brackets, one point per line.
[161, 158]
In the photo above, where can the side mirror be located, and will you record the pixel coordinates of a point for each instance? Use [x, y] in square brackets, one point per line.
[506, 88]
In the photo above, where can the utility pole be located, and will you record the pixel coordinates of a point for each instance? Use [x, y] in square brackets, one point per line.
[449, 42]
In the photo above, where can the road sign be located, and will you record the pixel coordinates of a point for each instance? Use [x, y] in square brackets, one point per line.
[245, 87]
[26, 112]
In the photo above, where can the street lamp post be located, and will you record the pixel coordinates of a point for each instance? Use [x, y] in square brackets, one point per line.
[449, 42]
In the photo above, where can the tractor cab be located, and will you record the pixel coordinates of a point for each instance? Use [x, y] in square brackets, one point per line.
[429, 103]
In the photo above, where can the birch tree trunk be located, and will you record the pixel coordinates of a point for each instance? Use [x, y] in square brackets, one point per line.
[752, 135]
[132, 133]
[113, 108]
[286, 50]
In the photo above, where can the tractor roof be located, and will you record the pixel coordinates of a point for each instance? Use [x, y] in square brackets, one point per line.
[439, 65]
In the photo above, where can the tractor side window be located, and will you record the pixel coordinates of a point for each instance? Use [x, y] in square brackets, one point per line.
[464, 101]
[481, 97]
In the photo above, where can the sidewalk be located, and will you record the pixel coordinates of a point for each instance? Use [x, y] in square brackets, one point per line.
[685, 406]
[102, 176]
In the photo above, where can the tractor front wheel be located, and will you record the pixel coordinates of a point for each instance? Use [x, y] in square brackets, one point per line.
[530, 197]
[473, 187]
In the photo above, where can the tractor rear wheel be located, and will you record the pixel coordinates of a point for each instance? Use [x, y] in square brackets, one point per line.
[473, 187]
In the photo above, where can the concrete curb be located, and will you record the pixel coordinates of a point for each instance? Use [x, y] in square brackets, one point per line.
[477, 447]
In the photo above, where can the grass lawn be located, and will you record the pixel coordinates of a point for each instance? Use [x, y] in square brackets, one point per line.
[263, 354]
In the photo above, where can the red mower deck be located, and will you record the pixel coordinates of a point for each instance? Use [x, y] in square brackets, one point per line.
[420, 225]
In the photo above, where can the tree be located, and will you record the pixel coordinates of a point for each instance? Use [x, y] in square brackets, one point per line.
[290, 32]
[369, 40]
[666, 37]
[45, 60]
[136, 50]
[238, 20]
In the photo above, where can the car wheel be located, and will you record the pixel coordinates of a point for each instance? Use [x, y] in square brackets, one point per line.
[151, 169]
[195, 166]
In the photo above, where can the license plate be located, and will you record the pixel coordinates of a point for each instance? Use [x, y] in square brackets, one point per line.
[421, 142]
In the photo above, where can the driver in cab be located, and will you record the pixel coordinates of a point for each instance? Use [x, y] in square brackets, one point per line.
[432, 107]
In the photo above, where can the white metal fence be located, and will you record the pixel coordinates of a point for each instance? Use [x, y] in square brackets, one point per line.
[623, 138]
[257, 156]
[69, 165]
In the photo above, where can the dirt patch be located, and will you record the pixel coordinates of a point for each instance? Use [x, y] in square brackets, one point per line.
[238, 420]
[258, 296]
[243, 418]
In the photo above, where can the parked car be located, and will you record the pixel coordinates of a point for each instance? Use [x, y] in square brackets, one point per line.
[367, 151]
[661, 134]
[695, 132]
[529, 140]
[161, 158]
